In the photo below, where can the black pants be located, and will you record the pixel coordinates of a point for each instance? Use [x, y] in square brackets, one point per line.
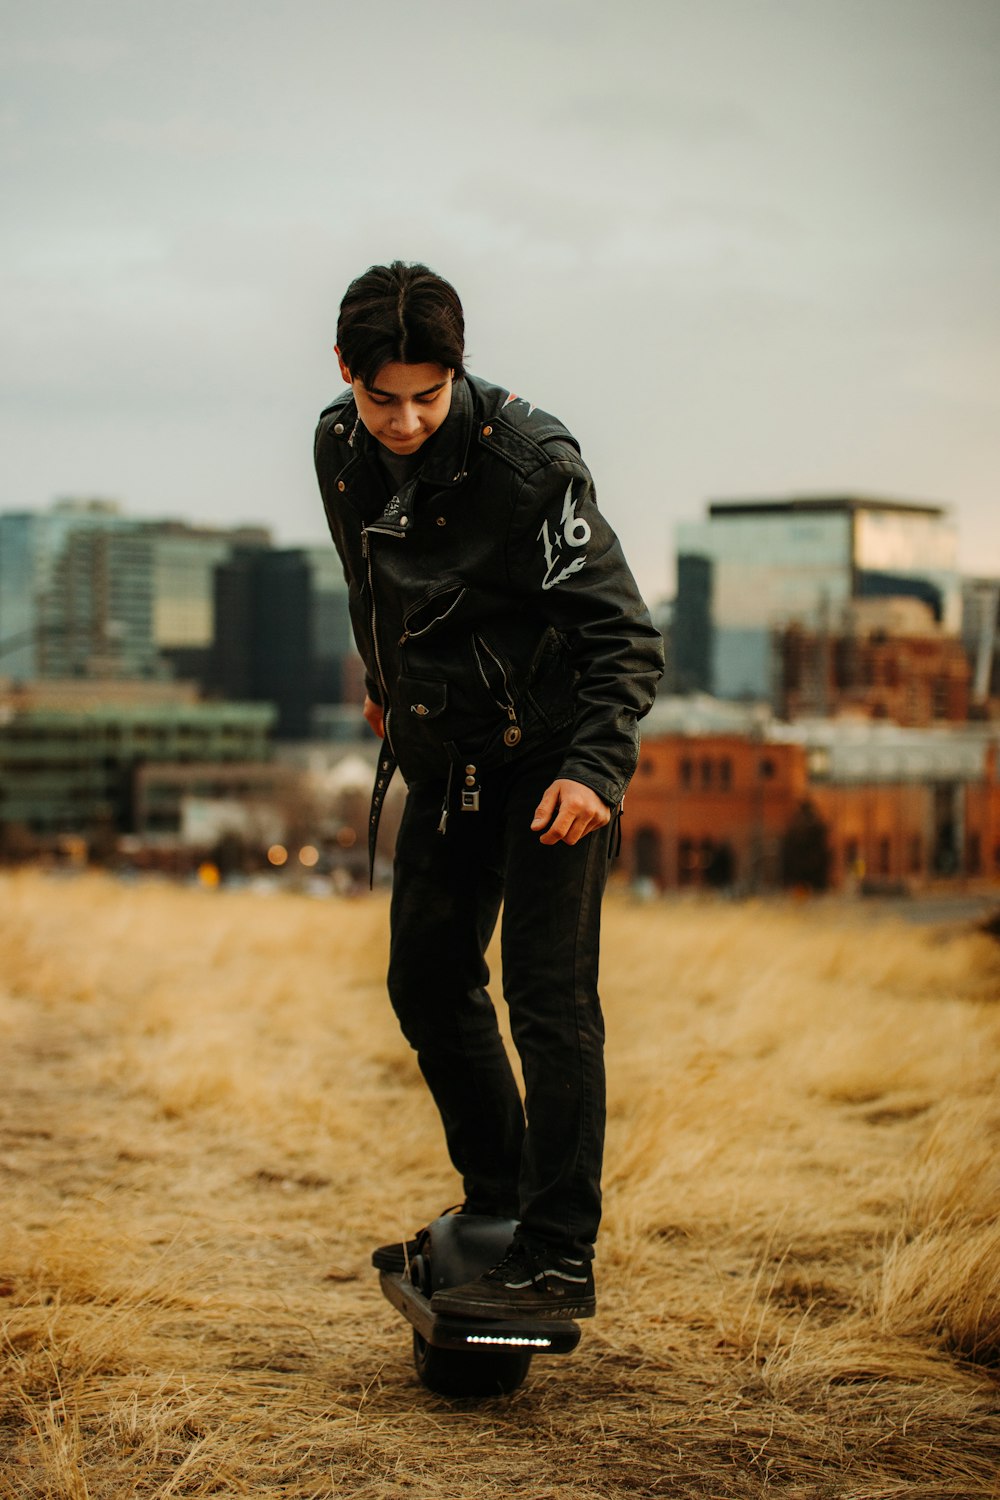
[447, 892]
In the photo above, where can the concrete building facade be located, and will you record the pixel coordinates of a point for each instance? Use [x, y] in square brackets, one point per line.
[72, 754]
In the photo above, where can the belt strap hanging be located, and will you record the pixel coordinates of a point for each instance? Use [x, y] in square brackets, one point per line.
[615, 841]
[383, 776]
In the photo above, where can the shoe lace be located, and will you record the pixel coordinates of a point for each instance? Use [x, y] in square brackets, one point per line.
[517, 1261]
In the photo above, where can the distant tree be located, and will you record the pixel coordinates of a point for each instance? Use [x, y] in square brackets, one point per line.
[720, 867]
[805, 850]
[229, 855]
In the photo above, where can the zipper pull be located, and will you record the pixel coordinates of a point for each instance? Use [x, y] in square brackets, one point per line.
[443, 824]
[512, 734]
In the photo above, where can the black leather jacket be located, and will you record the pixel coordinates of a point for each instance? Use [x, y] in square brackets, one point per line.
[490, 599]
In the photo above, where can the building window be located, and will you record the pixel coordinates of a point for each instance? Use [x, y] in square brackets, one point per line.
[687, 772]
[884, 855]
[646, 766]
[765, 769]
[706, 773]
[725, 773]
[687, 862]
[648, 863]
[718, 863]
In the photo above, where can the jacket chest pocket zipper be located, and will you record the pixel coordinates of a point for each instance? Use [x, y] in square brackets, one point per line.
[512, 734]
[412, 628]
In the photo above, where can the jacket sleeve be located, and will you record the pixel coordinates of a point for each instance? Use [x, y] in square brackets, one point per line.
[566, 562]
[327, 463]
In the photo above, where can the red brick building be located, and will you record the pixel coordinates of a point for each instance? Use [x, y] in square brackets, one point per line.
[756, 810]
[910, 679]
[711, 809]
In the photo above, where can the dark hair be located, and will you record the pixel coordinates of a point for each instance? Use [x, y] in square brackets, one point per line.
[400, 313]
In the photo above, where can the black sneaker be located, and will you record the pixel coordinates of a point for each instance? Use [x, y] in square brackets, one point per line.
[527, 1283]
[396, 1257]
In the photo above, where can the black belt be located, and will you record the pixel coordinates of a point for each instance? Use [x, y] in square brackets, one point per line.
[383, 776]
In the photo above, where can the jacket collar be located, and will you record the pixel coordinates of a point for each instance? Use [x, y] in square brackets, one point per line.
[448, 458]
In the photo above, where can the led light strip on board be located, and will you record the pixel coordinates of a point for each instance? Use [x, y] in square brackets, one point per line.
[485, 1338]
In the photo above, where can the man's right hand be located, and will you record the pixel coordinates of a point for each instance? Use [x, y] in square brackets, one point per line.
[374, 716]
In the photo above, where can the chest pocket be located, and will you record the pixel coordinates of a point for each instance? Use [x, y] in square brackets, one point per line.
[423, 698]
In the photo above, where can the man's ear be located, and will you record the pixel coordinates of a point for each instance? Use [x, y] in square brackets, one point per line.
[343, 368]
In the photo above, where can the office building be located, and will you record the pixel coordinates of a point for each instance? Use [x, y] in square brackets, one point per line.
[31, 546]
[75, 756]
[96, 617]
[86, 591]
[184, 562]
[755, 567]
[282, 634]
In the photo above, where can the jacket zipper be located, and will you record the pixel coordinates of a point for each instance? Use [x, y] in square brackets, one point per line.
[367, 555]
[507, 707]
[412, 635]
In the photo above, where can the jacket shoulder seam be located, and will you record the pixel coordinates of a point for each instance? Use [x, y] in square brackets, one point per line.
[524, 454]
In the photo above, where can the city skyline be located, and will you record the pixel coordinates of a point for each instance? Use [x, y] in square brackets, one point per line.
[740, 251]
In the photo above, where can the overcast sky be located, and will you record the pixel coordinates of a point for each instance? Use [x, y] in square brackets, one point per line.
[741, 247]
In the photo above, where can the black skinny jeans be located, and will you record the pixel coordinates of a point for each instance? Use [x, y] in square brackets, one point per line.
[447, 893]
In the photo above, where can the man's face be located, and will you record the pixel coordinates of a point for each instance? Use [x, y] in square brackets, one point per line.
[404, 405]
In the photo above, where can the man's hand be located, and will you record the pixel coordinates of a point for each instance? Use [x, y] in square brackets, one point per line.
[374, 716]
[568, 812]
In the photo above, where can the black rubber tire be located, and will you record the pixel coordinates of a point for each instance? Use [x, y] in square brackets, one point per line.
[419, 1273]
[480, 1372]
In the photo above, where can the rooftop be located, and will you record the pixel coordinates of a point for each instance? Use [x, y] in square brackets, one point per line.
[848, 504]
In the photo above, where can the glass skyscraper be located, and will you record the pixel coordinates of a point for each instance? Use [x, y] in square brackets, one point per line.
[755, 566]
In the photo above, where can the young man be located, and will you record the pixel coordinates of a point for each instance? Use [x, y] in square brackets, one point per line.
[509, 657]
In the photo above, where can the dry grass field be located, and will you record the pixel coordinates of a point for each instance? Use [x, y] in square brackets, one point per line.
[207, 1119]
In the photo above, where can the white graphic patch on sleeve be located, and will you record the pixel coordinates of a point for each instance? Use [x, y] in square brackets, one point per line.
[570, 533]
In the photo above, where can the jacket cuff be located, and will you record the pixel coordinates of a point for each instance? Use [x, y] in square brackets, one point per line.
[610, 792]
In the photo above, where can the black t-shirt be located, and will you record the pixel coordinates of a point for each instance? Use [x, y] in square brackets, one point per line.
[400, 466]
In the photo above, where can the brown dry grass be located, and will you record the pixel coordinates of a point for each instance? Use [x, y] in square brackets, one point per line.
[207, 1118]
